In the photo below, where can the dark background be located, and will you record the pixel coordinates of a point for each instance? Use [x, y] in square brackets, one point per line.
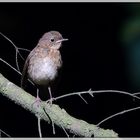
[94, 57]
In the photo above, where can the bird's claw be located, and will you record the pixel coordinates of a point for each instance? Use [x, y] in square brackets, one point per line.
[37, 102]
[49, 101]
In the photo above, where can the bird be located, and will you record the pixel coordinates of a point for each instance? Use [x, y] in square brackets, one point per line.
[44, 61]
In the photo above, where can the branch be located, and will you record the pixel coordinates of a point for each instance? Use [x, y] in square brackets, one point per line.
[90, 92]
[117, 114]
[59, 116]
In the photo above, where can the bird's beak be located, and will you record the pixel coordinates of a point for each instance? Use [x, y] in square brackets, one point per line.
[61, 40]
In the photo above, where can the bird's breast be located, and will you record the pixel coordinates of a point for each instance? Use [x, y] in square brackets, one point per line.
[42, 70]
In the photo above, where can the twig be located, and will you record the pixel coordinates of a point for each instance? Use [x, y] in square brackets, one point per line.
[95, 92]
[14, 69]
[116, 114]
[16, 48]
[50, 120]
[39, 127]
[17, 62]
[23, 49]
[71, 94]
[1, 131]
[65, 131]
[83, 98]
[53, 127]
[138, 93]
[10, 66]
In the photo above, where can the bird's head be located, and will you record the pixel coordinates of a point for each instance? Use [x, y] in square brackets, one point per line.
[51, 40]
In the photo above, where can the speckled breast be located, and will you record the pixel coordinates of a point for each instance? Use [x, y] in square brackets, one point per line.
[42, 71]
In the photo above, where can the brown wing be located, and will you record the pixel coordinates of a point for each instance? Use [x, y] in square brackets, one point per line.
[24, 76]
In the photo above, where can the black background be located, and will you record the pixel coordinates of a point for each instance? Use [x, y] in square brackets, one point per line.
[92, 58]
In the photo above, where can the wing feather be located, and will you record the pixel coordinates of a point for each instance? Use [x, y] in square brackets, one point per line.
[24, 74]
[24, 77]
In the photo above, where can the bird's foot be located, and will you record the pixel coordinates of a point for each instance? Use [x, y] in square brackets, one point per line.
[49, 101]
[37, 102]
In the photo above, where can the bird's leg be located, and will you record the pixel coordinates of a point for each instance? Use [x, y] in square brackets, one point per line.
[50, 93]
[37, 100]
[51, 98]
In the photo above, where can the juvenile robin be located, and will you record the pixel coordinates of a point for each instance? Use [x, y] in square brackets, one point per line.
[44, 61]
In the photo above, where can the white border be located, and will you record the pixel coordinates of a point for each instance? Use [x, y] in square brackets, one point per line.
[69, 0]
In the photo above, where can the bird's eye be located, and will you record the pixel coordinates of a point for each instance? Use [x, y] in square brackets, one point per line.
[52, 40]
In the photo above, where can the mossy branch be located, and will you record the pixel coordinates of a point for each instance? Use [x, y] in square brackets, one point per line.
[59, 116]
